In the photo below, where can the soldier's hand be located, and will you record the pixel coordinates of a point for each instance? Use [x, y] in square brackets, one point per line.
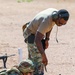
[44, 59]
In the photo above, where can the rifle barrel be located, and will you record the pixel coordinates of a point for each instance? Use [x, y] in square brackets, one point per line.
[11, 55]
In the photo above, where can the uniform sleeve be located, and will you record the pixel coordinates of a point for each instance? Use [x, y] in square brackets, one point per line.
[43, 27]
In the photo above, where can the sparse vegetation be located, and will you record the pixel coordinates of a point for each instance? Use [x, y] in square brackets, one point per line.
[24, 1]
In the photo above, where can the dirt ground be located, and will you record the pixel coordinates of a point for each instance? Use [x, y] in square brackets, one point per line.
[61, 56]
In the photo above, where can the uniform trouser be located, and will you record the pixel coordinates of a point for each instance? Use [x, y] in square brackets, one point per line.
[35, 56]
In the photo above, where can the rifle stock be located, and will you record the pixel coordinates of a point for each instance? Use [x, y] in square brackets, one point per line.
[4, 58]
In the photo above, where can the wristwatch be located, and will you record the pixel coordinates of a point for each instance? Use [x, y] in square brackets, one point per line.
[47, 39]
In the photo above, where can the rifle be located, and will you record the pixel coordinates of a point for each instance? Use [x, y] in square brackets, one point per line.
[4, 58]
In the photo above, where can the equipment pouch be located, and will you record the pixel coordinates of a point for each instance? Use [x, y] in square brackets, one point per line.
[24, 26]
[31, 38]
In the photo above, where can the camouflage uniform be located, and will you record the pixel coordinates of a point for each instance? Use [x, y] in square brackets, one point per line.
[35, 56]
[24, 67]
[42, 23]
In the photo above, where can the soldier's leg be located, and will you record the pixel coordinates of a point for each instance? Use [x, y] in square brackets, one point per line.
[35, 56]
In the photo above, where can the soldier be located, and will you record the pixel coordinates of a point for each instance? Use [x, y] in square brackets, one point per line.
[40, 28]
[26, 67]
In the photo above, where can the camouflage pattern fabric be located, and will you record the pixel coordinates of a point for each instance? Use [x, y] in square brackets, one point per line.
[3, 72]
[35, 56]
[12, 71]
[25, 66]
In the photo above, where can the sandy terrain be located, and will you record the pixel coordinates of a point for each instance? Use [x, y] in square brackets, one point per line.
[61, 56]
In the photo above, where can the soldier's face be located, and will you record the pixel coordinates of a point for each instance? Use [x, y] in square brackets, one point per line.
[30, 73]
[60, 22]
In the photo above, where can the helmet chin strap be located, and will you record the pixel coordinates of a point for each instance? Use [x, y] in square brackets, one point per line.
[56, 35]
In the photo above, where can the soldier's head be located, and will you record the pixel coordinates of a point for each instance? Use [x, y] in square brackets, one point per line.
[60, 17]
[26, 67]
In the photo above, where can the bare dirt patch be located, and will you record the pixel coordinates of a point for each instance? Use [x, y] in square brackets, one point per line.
[13, 15]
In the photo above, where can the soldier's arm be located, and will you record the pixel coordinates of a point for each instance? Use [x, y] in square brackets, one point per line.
[48, 34]
[38, 38]
[47, 39]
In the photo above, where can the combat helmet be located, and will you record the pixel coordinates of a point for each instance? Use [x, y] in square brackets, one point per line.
[61, 14]
[26, 66]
